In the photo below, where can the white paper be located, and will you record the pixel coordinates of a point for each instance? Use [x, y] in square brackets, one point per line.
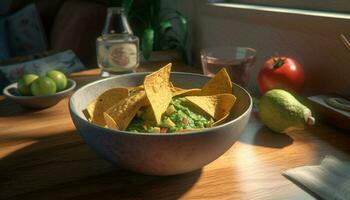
[329, 180]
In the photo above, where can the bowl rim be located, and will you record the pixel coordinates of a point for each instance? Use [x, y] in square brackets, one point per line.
[73, 111]
[8, 94]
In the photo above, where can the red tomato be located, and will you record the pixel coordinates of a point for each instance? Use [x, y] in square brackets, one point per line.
[163, 130]
[281, 73]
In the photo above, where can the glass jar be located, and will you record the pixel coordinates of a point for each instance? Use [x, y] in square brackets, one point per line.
[117, 48]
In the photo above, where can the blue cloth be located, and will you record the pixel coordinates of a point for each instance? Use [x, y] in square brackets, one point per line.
[26, 35]
[65, 61]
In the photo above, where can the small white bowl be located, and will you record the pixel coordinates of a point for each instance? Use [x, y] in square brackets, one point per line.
[38, 102]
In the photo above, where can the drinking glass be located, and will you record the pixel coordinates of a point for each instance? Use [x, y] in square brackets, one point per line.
[238, 62]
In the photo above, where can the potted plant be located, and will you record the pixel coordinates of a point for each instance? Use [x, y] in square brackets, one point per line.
[158, 28]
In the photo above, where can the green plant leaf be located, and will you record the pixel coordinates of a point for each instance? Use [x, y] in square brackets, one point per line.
[164, 26]
[170, 42]
[147, 42]
[183, 22]
[126, 4]
[155, 9]
[173, 14]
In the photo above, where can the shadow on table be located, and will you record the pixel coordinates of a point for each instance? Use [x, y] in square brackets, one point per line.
[335, 141]
[82, 80]
[62, 166]
[267, 138]
[9, 108]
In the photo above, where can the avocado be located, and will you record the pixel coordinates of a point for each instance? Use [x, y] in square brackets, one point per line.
[170, 110]
[282, 112]
[167, 123]
[154, 130]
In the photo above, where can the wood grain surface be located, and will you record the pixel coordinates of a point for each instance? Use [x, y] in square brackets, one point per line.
[42, 157]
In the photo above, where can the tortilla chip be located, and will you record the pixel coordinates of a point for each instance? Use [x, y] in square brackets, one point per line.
[217, 106]
[94, 112]
[133, 90]
[220, 121]
[177, 91]
[158, 90]
[190, 129]
[185, 92]
[120, 115]
[220, 83]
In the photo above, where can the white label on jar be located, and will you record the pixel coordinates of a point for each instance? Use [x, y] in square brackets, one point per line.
[123, 55]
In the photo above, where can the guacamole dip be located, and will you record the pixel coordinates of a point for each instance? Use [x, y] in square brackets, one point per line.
[177, 118]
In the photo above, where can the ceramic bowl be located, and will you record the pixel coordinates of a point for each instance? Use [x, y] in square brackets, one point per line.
[159, 153]
[37, 102]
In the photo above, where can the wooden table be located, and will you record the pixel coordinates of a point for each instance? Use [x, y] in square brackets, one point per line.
[42, 157]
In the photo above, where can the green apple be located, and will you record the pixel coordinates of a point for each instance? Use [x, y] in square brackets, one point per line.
[24, 83]
[43, 86]
[59, 78]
